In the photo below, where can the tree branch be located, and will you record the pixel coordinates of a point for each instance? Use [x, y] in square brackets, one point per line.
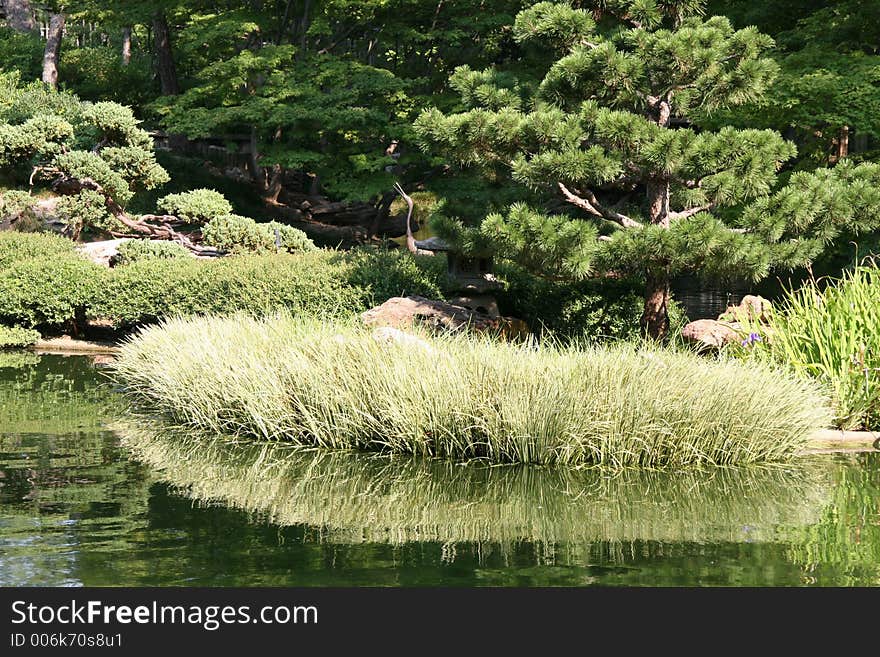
[67, 185]
[690, 212]
[592, 205]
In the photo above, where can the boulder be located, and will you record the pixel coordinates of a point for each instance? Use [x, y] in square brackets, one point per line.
[752, 308]
[405, 312]
[389, 335]
[710, 333]
[101, 252]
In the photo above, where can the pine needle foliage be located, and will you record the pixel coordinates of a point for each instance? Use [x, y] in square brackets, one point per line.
[609, 141]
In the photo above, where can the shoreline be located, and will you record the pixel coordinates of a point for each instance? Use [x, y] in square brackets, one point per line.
[73, 346]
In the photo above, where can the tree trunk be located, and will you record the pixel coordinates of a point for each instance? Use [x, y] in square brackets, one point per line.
[658, 202]
[274, 186]
[126, 45]
[655, 317]
[53, 49]
[842, 143]
[164, 57]
[253, 162]
[19, 16]
[304, 26]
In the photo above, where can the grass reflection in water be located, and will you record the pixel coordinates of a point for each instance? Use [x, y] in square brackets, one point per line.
[354, 497]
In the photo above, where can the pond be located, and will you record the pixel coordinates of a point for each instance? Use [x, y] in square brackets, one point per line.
[88, 497]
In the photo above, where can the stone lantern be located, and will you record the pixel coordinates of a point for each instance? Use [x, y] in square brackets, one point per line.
[472, 277]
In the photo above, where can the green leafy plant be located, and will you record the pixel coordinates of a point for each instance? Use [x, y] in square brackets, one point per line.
[134, 250]
[626, 180]
[829, 331]
[150, 289]
[237, 234]
[197, 206]
[17, 336]
[87, 209]
[15, 247]
[385, 273]
[49, 291]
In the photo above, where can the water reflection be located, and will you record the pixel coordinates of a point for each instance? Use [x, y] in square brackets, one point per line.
[76, 507]
[361, 498]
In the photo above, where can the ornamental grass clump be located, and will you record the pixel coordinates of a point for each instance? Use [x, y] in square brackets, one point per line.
[833, 335]
[463, 397]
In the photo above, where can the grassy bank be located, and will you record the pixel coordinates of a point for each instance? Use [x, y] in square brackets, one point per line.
[336, 386]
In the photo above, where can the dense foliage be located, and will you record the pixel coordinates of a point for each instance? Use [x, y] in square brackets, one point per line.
[611, 131]
[133, 250]
[830, 331]
[17, 336]
[158, 279]
[672, 127]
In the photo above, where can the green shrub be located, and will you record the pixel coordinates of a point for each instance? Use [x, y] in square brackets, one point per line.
[85, 164]
[15, 247]
[16, 210]
[21, 52]
[197, 206]
[48, 291]
[289, 238]
[18, 104]
[16, 336]
[87, 209]
[236, 234]
[385, 273]
[146, 290]
[133, 250]
[336, 386]
[13, 202]
[593, 310]
[136, 165]
[41, 136]
[116, 125]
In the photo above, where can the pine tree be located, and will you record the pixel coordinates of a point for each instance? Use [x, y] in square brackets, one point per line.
[609, 130]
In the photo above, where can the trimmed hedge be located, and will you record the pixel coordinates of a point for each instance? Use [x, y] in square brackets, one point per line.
[147, 290]
[49, 290]
[243, 235]
[16, 336]
[15, 246]
[383, 274]
[44, 283]
[134, 250]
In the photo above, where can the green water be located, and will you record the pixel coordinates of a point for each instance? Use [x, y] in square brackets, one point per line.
[88, 498]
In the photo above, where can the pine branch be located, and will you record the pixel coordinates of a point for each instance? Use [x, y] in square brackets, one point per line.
[591, 204]
[690, 212]
[67, 185]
